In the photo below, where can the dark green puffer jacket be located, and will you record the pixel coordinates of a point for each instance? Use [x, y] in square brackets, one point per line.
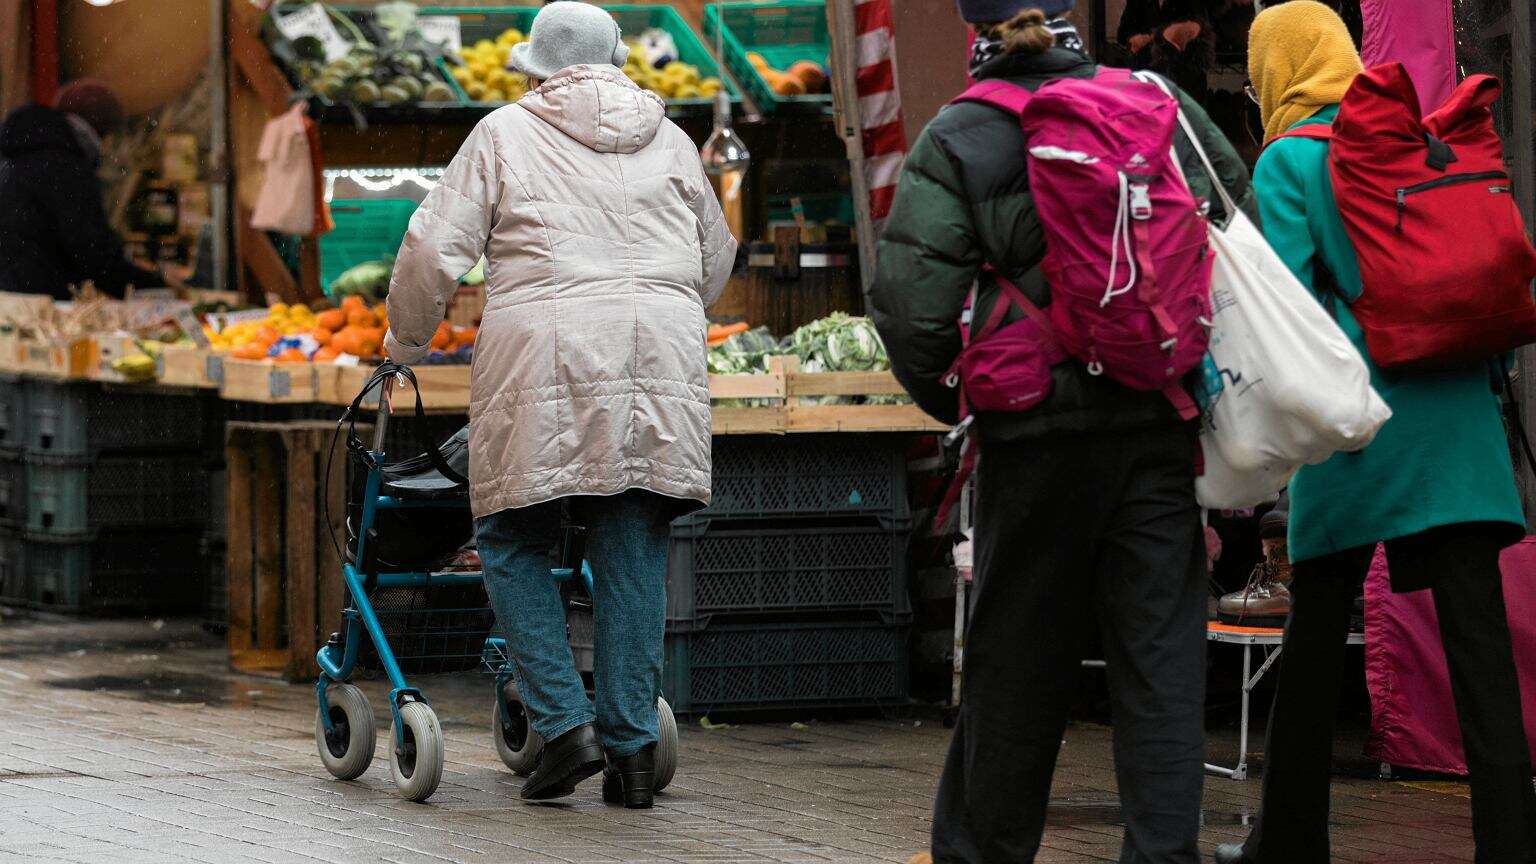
[963, 200]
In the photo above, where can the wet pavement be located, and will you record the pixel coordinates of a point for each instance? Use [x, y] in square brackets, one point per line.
[126, 742]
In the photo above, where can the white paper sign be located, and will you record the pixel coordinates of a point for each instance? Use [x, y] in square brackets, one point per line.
[312, 20]
[442, 30]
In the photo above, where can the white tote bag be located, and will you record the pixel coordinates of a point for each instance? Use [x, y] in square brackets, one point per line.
[1295, 391]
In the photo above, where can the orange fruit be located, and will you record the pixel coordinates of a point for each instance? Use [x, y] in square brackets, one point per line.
[332, 319]
[325, 355]
[291, 355]
[361, 318]
[322, 336]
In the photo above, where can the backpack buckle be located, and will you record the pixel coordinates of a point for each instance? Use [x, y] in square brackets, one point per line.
[959, 431]
[1141, 202]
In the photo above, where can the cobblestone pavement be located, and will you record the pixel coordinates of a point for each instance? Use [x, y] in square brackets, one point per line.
[126, 742]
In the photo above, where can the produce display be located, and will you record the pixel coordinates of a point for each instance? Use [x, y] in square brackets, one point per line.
[837, 343]
[368, 74]
[485, 76]
[140, 367]
[652, 64]
[801, 79]
[299, 334]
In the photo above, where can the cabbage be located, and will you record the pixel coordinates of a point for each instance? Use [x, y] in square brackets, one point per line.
[370, 279]
[744, 353]
[842, 343]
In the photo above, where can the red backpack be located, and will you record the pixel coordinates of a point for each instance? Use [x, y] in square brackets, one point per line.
[1445, 264]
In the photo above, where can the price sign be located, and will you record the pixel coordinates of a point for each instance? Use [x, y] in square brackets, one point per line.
[313, 20]
[441, 30]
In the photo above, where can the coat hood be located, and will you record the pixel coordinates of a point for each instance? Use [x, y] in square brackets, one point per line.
[598, 106]
[34, 127]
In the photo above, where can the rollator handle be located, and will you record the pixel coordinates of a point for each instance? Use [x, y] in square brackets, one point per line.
[386, 406]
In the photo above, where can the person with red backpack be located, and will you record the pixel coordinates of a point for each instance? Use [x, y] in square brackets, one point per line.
[1405, 228]
[1050, 188]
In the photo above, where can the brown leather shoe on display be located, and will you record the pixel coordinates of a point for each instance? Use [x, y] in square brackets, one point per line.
[1264, 602]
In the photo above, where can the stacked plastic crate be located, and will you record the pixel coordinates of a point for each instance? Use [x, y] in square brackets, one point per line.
[13, 485]
[113, 499]
[791, 589]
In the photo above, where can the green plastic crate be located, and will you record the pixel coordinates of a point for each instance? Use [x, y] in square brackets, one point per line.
[366, 229]
[784, 32]
[488, 22]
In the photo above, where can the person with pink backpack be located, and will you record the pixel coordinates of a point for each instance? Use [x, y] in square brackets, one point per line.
[1043, 282]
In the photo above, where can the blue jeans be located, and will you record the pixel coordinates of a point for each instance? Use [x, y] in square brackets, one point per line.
[627, 537]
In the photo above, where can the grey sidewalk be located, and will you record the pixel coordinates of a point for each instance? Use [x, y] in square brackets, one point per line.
[121, 743]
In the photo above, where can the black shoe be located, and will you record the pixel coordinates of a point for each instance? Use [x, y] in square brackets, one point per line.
[631, 780]
[567, 760]
[1230, 853]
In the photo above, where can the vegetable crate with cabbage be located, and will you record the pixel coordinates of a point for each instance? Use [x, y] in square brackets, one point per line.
[829, 375]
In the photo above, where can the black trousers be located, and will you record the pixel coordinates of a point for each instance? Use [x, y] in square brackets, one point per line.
[1106, 526]
[1460, 564]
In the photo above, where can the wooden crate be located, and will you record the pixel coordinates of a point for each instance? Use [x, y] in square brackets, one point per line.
[278, 383]
[467, 305]
[53, 360]
[444, 389]
[285, 588]
[110, 347]
[190, 367]
[788, 411]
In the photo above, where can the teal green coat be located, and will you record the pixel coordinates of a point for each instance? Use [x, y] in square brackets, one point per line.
[1443, 457]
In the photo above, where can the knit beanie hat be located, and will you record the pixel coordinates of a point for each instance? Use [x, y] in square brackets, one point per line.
[93, 102]
[569, 33]
[993, 11]
[1301, 59]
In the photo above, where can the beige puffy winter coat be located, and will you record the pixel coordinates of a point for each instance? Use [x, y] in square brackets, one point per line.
[604, 242]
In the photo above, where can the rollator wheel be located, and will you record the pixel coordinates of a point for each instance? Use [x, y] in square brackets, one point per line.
[516, 743]
[416, 755]
[348, 750]
[666, 744]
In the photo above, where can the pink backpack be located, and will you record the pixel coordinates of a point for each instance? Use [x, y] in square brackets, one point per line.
[1127, 256]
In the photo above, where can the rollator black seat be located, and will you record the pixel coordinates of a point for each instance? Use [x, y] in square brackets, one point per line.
[415, 479]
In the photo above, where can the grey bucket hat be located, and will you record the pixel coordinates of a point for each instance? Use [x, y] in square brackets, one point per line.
[569, 33]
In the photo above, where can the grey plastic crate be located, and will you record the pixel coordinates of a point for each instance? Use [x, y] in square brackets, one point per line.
[13, 490]
[79, 419]
[114, 492]
[125, 573]
[839, 664]
[730, 568]
[779, 475]
[14, 589]
[13, 412]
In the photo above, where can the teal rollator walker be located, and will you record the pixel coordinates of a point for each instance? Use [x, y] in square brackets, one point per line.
[406, 614]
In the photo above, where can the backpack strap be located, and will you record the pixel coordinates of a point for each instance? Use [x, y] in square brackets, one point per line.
[1315, 131]
[999, 94]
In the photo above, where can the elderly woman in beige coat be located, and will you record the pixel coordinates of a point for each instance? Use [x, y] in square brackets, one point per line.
[604, 243]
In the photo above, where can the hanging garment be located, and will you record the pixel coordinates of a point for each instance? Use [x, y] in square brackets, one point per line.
[1420, 35]
[286, 203]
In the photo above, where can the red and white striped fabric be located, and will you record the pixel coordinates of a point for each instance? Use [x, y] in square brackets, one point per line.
[885, 141]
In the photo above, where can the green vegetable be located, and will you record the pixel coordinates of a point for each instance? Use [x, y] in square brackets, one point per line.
[309, 48]
[476, 274]
[366, 92]
[369, 279]
[842, 343]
